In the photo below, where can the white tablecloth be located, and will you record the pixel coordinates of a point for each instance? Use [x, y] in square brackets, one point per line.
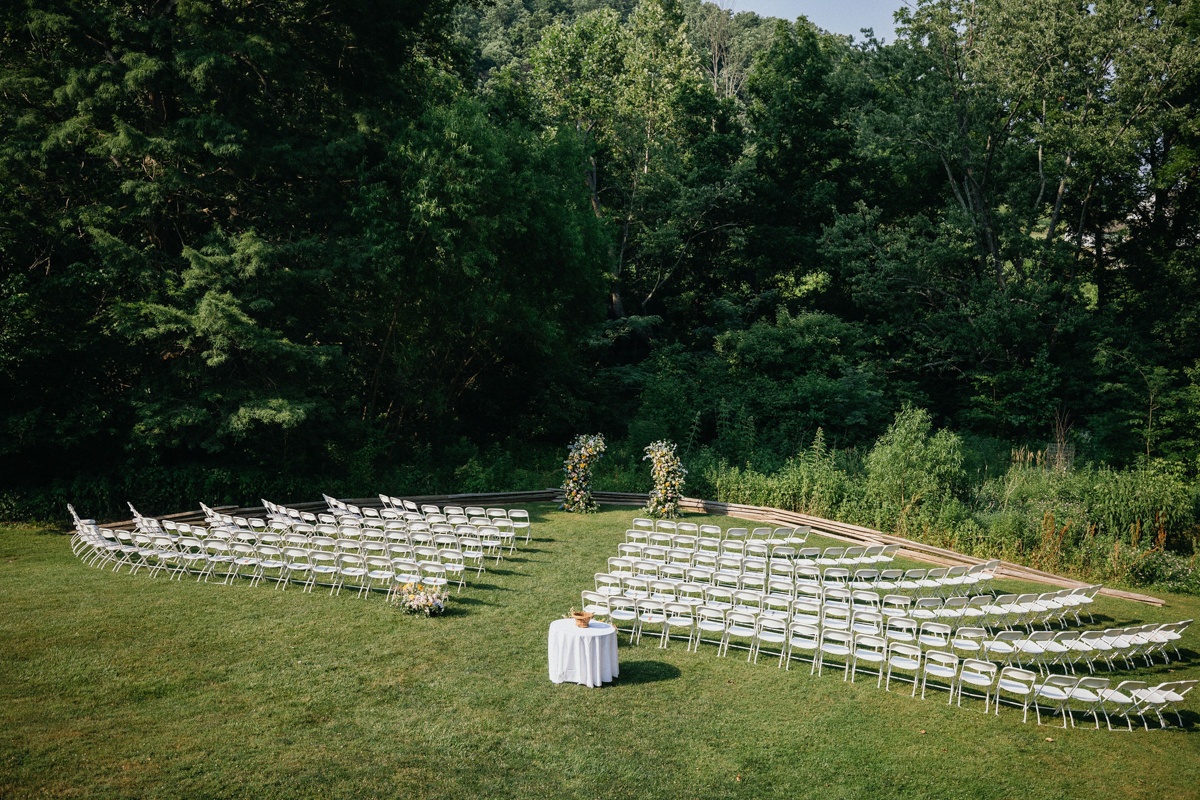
[583, 655]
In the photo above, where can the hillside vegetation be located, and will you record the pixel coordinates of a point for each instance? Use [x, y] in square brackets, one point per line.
[947, 285]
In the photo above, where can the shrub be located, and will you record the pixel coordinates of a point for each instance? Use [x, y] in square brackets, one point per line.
[909, 469]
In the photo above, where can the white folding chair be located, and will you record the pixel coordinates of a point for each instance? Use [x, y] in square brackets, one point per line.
[871, 649]
[979, 674]
[940, 665]
[905, 657]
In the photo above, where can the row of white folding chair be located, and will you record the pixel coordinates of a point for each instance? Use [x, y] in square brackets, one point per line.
[203, 558]
[838, 616]
[139, 550]
[1047, 608]
[780, 558]
[870, 649]
[797, 535]
[955, 674]
[473, 549]
[490, 539]
[519, 516]
[863, 611]
[1045, 649]
[954, 611]
[732, 569]
[636, 541]
[1042, 649]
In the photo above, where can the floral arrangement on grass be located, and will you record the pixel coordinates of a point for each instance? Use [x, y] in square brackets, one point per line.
[583, 454]
[669, 474]
[421, 600]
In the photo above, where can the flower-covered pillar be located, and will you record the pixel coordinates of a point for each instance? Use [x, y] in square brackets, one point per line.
[585, 451]
[669, 474]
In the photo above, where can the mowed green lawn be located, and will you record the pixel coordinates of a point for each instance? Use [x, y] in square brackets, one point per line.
[114, 685]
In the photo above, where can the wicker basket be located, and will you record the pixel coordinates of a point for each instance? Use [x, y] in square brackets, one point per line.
[582, 618]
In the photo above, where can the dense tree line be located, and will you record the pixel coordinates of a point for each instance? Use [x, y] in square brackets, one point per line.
[272, 247]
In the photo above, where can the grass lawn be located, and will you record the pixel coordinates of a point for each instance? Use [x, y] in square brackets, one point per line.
[114, 685]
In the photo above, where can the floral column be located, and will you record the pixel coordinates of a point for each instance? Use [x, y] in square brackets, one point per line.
[585, 451]
[668, 473]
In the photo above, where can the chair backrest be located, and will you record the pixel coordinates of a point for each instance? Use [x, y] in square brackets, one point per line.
[866, 641]
[936, 629]
[663, 588]
[678, 610]
[836, 595]
[741, 618]
[781, 587]
[594, 597]
[838, 574]
[802, 630]
[948, 660]
[737, 533]
[979, 667]
[1094, 684]
[1061, 681]
[718, 594]
[605, 580]
[747, 598]
[866, 600]
[837, 636]
[1018, 675]
[905, 651]
[806, 609]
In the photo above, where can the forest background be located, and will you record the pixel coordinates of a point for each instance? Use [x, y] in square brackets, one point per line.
[946, 286]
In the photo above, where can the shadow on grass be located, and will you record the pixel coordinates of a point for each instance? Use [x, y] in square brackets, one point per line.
[455, 608]
[635, 672]
[491, 587]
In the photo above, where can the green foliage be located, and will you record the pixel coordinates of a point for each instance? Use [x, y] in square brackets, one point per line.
[266, 249]
[911, 471]
[765, 390]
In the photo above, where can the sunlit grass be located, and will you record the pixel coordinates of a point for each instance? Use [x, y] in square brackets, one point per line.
[117, 685]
